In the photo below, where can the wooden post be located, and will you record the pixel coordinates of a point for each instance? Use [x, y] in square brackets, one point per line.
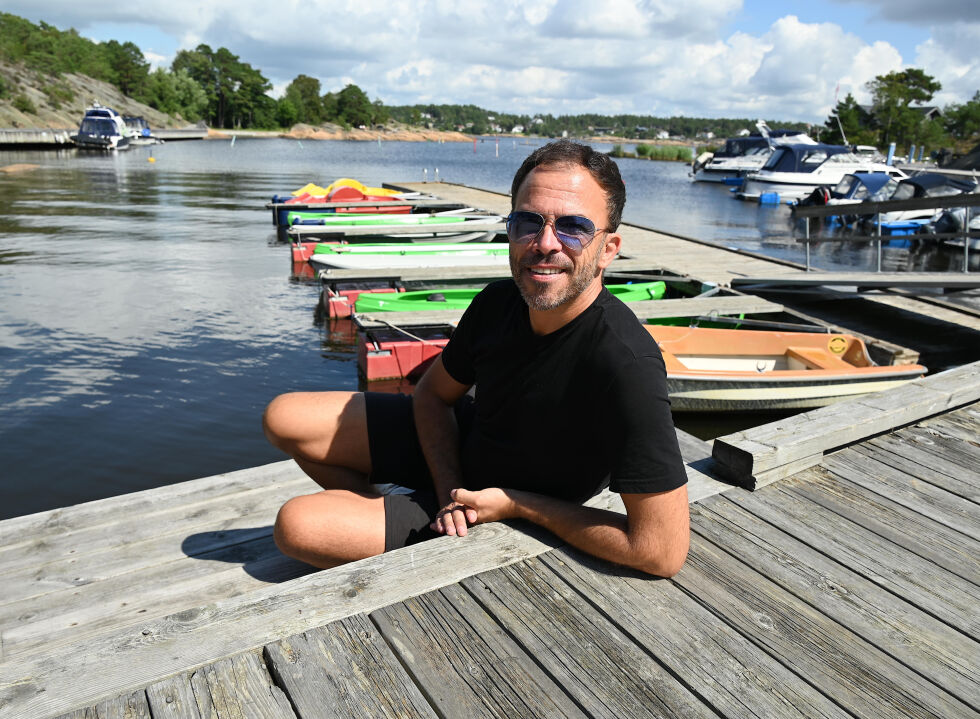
[966, 238]
[878, 223]
[807, 235]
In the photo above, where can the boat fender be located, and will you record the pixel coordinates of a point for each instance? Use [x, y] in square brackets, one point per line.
[436, 297]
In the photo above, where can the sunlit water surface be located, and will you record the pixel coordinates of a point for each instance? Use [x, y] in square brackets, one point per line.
[147, 315]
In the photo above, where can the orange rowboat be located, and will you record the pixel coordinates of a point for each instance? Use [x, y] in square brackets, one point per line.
[746, 370]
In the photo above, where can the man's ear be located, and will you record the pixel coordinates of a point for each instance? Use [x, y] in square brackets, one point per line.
[610, 248]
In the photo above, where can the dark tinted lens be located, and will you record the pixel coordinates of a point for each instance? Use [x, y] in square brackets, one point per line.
[579, 228]
[523, 226]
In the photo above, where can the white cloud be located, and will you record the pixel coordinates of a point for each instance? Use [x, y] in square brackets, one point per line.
[656, 57]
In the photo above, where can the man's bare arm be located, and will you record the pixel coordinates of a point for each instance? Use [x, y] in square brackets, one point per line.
[438, 432]
[653, 536]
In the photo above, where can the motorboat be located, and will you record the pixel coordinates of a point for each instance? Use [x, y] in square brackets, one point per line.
[364, 256]
[926, 184]
[796, 170]
[102, 128]
[741, 370]
[742, 155]
[139, 131]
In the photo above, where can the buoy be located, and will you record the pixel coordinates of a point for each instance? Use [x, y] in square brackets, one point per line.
[151, 159]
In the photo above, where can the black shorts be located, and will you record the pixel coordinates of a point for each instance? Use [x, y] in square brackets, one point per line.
[397, 458]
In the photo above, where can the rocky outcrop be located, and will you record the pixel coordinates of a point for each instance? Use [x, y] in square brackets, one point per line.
[390, 132]
[60, 102]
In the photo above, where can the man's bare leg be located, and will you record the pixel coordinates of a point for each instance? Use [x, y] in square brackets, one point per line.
[326, 434]
[331, 527]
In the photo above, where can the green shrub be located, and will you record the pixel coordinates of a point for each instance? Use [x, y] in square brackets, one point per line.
[23, 103]
[643, 150]
[617, 151]
[58, 93]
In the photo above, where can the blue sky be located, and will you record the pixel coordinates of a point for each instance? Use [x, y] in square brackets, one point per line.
[714, 58]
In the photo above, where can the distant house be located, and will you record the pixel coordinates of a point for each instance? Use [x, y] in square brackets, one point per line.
[517, 129]
[640, 128]
[743, 132]
[662, 135]
[604, 130]
[929, 112]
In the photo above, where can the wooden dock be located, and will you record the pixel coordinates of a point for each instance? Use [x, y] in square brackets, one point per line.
[845, 589]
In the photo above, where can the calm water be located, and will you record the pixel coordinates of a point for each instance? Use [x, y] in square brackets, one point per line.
[147, 316]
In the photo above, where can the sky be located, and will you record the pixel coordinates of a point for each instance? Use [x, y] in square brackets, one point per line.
[786, 60]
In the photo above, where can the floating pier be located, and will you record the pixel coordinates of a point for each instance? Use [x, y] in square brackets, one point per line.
[847, 588]
[46, 137]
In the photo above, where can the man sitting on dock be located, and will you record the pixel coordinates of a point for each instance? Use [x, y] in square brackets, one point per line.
[570, 398]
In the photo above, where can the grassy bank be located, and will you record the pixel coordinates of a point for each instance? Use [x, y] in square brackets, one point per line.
[665, 153]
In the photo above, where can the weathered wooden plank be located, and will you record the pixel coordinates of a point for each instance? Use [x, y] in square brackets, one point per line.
[961, 451]
[243, 518]
[859, 676]
[930, 647]
[173, 698]
[646, 309]
[465, 662]
[72, 614]
[962, 424]
[952, 280]
[30, 529]
[342, 670]
[132, 705]
[898, 485]
[935, 466]
[920, 582]
[723, 667]
[744, 456]
[599, 666]
[908, 528]
[239, 686]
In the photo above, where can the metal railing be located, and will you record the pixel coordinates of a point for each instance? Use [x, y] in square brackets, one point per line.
[864, 209]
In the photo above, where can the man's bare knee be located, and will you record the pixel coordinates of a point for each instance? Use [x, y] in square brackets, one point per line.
[288, 531]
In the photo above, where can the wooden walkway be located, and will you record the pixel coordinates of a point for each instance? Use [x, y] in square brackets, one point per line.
[849, 588]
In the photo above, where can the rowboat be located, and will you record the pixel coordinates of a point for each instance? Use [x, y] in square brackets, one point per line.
[407, 255]
[452, 226]
[748, 370]
[460, 298]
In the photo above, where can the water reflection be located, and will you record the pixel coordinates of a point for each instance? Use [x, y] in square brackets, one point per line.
[147, 315]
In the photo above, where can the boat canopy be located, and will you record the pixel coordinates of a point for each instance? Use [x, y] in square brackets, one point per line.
[740, 146]
[98, 127]
[931, 184]
[863, 185]
[802, 157]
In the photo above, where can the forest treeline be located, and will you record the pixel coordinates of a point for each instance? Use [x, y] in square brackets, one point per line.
[218, 87]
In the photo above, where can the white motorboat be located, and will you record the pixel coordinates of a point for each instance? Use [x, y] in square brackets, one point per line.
[139, 131]
[796, 170]
[742, 155]
[102, 128]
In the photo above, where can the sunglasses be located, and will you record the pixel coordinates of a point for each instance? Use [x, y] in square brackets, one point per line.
[573, 231]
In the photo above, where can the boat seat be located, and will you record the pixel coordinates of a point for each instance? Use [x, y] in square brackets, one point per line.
[816, 358]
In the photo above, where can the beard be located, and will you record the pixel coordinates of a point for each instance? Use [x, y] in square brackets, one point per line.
[548, 297]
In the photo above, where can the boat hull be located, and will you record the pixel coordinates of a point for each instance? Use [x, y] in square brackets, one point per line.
[738, 370]
[720, 394]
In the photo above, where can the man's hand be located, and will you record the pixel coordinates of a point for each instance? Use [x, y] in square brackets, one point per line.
[453, 519]
[467, 508]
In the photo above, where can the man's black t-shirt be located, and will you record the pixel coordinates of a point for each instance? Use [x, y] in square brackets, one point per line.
[568, 413]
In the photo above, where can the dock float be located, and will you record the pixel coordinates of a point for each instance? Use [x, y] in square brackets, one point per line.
[846, 589]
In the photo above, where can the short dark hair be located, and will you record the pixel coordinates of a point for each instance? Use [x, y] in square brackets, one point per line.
[602, 168]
